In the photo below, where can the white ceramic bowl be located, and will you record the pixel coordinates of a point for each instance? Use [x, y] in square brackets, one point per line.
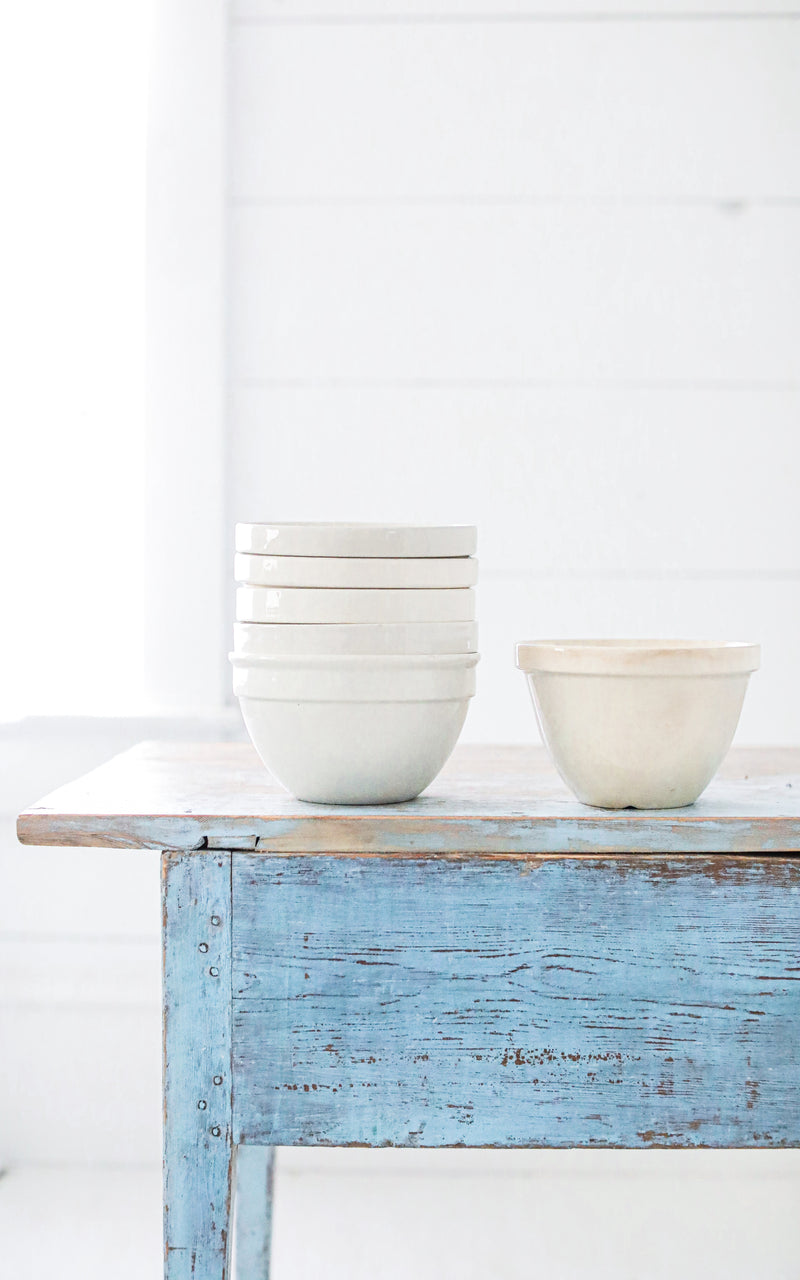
[386, 540]
[355, 571]
[262, 639]
[639, 723]
[372, 729]
[307, 604]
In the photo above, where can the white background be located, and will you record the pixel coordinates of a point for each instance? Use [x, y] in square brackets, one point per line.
[535, 268]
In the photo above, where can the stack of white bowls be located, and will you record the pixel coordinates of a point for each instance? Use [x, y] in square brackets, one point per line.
[355, 649]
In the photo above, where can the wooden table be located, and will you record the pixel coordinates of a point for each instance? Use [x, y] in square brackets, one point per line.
[493, 964]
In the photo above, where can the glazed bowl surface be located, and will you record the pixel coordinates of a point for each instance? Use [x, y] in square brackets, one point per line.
[355, 729]
[264, 639]
[354, 752]
[637, 723]
[381, 678]
[380, 540]
[307, 604]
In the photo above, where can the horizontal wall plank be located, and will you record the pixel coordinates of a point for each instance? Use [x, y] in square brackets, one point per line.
[80, 1084]
[253, 11]
[516, 609]
[535, 1164]
[89, 895]
[669, 476]
[650, 1002]
[568, 110]
[43, 971]
[546, 294]
[584, 1225]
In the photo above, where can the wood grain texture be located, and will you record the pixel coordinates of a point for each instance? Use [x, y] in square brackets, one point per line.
[488, 801]
[255, 1173]
[568, 111]
[592, 1002]
[198, 1151]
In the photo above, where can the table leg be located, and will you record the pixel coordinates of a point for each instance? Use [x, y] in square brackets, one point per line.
[254, 1174]
[198, 1150]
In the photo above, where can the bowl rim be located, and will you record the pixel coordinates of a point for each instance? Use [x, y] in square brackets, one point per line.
[332, 561]
[351, 524]
[354, 661]
[360, 628]
[354, 593]
[643, 657]
[361, 539]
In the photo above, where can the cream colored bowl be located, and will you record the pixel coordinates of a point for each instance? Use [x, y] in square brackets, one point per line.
[355, 571]
[639, 723]
[307, 604]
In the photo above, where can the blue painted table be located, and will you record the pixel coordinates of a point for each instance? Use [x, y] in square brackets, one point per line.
[493, 964]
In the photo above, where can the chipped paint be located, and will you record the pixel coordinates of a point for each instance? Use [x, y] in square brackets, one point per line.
[198, 1153]
[603, 1002]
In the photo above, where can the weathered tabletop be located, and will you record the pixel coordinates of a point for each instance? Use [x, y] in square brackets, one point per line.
[496, 801]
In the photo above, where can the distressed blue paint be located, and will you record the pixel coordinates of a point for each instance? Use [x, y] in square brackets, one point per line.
[547, 1002]
[197, 1049]
[255, 1167]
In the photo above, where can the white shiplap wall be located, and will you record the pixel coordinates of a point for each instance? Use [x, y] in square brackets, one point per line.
[539, 269]
[532, 269]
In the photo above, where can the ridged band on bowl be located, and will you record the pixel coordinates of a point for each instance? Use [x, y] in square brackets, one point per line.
[356, 678]
[389, 662]
[639, 657]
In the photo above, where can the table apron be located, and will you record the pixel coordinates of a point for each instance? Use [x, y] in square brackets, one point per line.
[627, 1001]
